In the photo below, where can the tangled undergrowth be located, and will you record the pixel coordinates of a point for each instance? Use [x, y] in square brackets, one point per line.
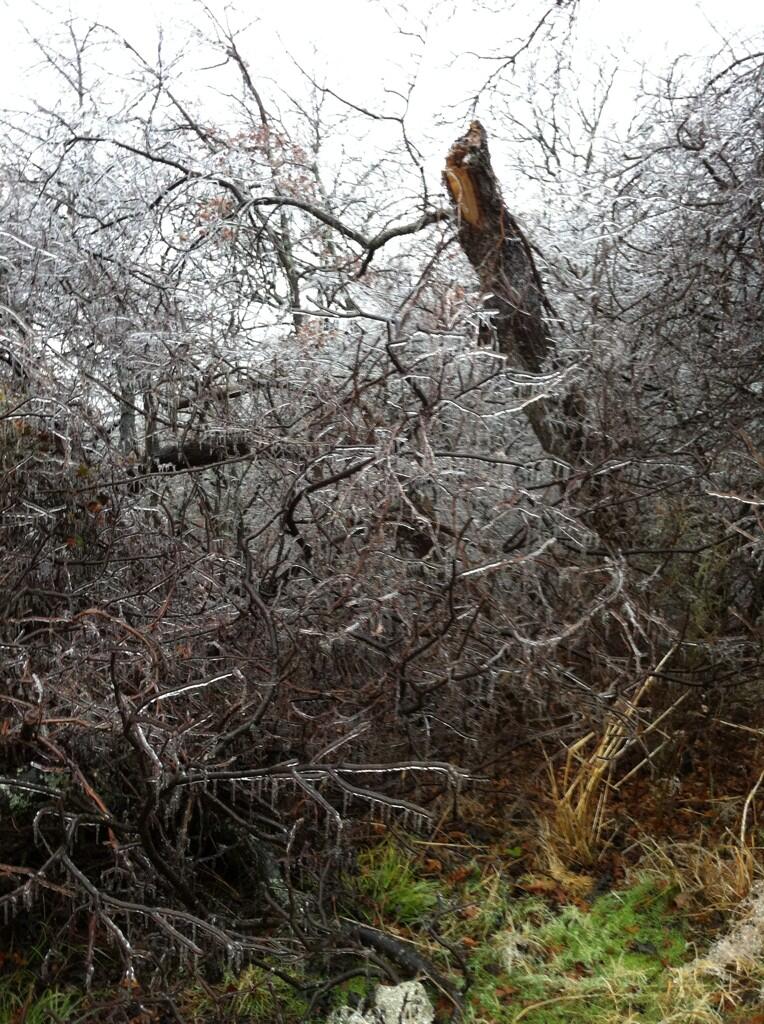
[660, 931]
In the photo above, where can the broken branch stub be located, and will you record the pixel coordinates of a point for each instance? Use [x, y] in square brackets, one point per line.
[501, 255]
[496, 247]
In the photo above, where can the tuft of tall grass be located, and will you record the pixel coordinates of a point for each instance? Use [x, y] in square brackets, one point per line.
[578, 827]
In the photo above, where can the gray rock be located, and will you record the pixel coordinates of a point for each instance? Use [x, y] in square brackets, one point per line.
[406, 1003]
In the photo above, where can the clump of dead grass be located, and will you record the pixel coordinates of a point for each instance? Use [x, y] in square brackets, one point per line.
[727, 976]
[579, 826]
[711, 877]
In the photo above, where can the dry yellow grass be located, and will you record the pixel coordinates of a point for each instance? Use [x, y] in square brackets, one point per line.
[578, 826]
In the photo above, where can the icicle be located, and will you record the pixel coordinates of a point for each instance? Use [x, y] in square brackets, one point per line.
[36, 828]
[174, 800]
[491, 690]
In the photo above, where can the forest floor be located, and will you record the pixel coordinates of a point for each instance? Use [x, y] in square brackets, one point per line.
[648, 907]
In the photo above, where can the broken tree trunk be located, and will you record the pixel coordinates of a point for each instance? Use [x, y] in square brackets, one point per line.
[501, 255]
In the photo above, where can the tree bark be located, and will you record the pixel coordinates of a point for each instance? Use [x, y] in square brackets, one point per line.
[501, 255]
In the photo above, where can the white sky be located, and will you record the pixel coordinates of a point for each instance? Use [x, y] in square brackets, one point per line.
[356, 40]
[357, 48]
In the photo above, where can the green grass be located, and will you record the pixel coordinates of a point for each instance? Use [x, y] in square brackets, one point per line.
[253, 996]
[388, 886]
[261, 996]
[576, 964]
[51, 1007]
[604, 964]
[608, 963]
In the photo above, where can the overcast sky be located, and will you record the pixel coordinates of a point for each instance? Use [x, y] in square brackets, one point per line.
[369, 50]
[357, 42]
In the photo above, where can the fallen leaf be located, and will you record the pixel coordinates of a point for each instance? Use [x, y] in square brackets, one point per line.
[459, 875]
[506, 992]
